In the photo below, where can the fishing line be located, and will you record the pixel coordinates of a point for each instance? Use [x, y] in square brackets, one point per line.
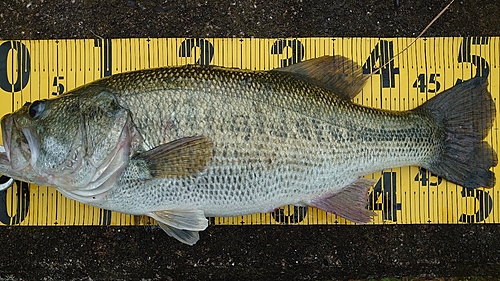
[414, 40]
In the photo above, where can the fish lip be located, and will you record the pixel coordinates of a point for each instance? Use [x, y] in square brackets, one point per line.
[6, 125]
[30, 148]
[33, 144]
[4, 160]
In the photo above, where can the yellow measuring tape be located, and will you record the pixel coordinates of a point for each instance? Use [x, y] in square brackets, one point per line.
[40, 69]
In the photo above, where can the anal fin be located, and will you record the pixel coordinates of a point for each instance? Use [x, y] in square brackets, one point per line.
[350, 202]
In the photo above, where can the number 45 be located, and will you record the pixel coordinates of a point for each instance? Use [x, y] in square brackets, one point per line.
[422, 83]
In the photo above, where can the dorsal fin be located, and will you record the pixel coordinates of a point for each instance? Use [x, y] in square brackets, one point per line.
[341, 75]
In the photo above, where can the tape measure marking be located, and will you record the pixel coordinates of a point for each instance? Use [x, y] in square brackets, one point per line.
[36, 69]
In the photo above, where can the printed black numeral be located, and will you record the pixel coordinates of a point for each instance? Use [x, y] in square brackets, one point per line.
[427, 178]
[22, 64]
[423, 84]
[298, 215]
[23, 203]
[485, 205]
[60, 86]
[281, 46]
[106, 57]
[206, 50]
[383, 53]
[104, 217]
[385, 190]
[464, 55]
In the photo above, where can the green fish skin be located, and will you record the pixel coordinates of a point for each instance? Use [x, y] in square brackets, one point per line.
[182, 143]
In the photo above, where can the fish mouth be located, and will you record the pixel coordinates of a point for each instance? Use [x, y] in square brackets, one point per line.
[6, 125]
[20, 144]
[4, 160]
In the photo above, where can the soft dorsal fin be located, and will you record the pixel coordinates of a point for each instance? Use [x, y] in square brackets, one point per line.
[338, 74]
[179, 158]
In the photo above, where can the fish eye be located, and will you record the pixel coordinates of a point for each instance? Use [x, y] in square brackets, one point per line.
[36, 109]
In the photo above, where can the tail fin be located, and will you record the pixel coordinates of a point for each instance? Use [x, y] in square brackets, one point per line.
[465, 113]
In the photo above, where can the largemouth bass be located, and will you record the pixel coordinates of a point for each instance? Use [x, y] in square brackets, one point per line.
[182, 143]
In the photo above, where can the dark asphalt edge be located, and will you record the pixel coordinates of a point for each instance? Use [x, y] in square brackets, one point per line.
[252, 252]
[249, 252]
[58, 19]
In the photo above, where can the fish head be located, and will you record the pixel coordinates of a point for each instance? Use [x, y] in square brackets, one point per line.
[73, 142]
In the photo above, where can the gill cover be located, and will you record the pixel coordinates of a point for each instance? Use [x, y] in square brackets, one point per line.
[107, 133]
[77, 142]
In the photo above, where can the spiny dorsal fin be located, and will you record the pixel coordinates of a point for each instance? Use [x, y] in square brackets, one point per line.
[179, 158]
[338, 74]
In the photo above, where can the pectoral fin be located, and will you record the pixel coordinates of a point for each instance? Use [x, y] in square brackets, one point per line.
[182, 225]
[179, 158]
[350, 202]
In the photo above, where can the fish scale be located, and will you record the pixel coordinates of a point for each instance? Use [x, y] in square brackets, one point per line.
[319, 158]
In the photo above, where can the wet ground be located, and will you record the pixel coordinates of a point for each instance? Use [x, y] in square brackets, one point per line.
[251, 252]
[42, 19]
